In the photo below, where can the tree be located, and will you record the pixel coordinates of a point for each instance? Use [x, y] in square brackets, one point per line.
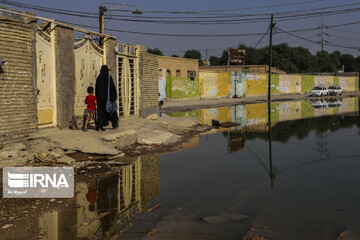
[193, 54]
[155, 51]
[214, 61]
[174, 55]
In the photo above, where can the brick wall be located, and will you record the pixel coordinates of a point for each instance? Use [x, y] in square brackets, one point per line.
[17, 78]
[149, 82]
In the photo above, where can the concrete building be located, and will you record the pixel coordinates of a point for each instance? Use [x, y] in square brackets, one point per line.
[178, 77]
[259, 69]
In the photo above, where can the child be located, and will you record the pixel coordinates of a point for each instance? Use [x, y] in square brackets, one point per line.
[91, 102]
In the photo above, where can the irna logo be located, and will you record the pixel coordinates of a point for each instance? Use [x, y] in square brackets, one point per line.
[16, 180]
[38, 182]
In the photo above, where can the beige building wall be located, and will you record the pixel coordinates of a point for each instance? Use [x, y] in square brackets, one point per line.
[245, 68]
[178, 67]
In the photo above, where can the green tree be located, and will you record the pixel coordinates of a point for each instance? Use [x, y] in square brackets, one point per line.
[214, 61]
[155, 51]
[174, 55]
[194, 54]
[349, 62]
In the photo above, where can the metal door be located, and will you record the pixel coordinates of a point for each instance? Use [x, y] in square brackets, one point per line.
[45, 79]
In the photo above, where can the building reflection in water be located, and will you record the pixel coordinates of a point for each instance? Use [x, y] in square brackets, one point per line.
[101, 206]
[256, 119]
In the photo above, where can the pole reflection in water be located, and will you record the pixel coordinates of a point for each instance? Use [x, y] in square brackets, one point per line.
[102, 206]
[272, 175]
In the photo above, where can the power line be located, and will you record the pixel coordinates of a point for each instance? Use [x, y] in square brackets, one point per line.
[252, 18]
[342, 37]
[328, 44]
[262, 37]
[252, 14]
[228, 10]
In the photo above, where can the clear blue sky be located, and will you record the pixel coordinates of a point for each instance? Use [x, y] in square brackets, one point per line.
[348, 35]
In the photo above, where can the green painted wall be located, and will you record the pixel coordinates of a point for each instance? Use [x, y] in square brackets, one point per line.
[168, 87]
[184, 87]
[274, 112]
[307, 111]
[307, 83]
[274, 83]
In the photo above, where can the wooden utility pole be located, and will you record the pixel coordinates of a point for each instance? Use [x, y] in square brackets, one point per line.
[102, 10]
[322, 36]
[269, 99]
[270, 56]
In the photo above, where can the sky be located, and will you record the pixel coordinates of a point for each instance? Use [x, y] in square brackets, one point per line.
[246, 22]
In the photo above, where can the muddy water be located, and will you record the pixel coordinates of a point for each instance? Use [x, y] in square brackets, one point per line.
[300, 180]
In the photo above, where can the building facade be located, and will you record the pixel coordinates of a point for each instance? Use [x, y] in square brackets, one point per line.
[46, 72]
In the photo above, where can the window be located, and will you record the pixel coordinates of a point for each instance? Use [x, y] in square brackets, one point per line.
[191, 75]
[178, 73]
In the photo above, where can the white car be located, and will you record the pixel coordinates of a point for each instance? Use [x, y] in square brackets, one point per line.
[319, 91]
[335, 90]
[318, 104]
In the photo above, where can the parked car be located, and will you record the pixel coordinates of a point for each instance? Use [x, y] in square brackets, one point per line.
[335, 90]
[335, 103]
[318, 104]
[319, 91]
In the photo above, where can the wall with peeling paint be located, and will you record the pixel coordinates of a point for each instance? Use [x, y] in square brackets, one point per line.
[184, 87]
[217, 84]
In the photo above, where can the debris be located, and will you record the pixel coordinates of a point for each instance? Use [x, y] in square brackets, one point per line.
[224, 124]
[117, 156]
[6, 226]
[152, 116]
[152, 232]
[46, 159]
[348, 235]
[154, 207]
[231, 217]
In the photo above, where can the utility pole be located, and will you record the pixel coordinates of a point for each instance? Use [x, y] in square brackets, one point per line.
[270, 56]
[322, 35]
[102, 10]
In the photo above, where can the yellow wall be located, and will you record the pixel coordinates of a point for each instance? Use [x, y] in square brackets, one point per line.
[209, 84]
[256, 113]
[295, 84]
[223, 84]
[256, 84]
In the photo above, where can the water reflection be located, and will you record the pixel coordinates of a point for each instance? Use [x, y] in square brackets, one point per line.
[101, 206]
[255, 117]
[299, 177]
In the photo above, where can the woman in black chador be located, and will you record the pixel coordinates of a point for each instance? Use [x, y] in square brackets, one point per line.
[101, 92]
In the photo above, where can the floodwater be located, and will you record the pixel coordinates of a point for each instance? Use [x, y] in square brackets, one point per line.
[300, 180]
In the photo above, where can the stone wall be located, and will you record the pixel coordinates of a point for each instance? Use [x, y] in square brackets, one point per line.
[149, 85]
[17, 78]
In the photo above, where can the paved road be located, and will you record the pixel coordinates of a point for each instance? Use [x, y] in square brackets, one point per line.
[191, 104]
